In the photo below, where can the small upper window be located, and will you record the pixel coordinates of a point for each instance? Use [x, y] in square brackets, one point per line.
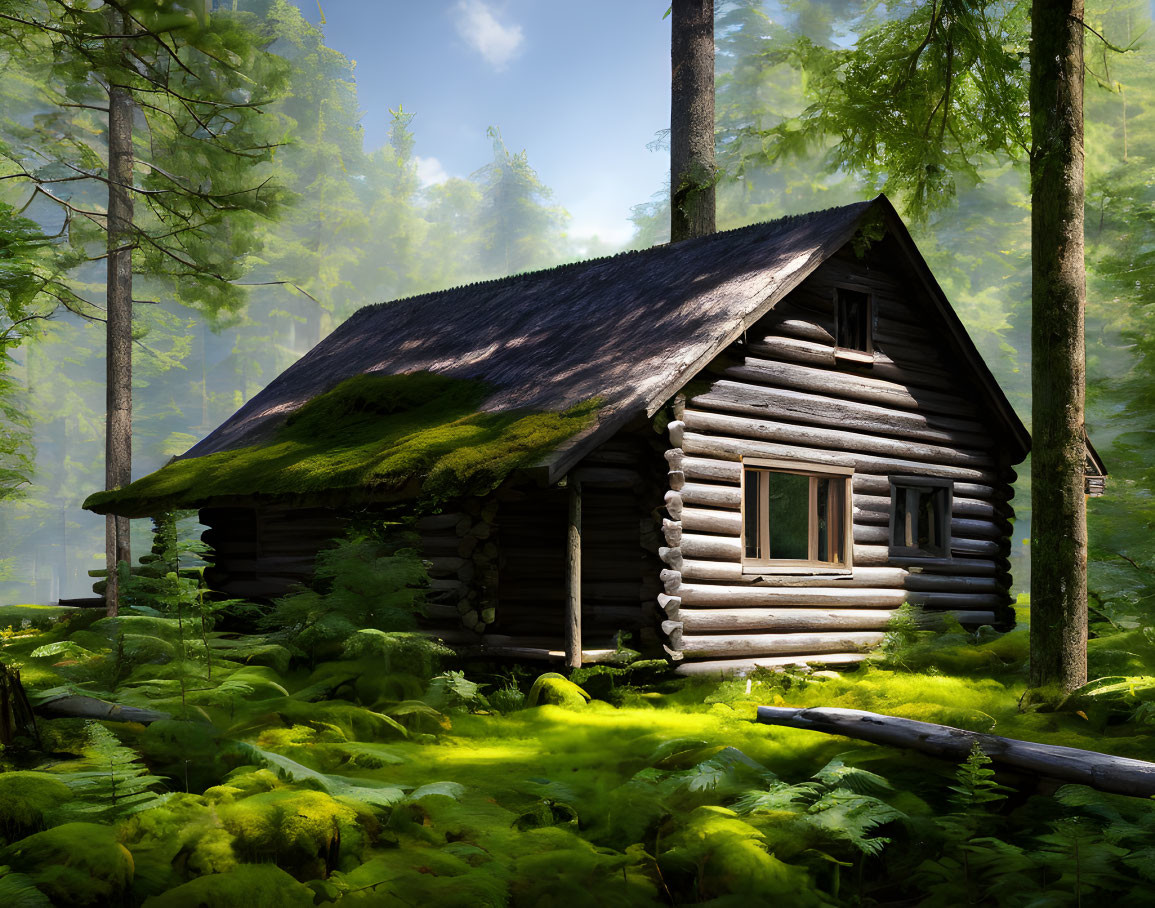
[795, 515]
[852, 320]
[920, 510]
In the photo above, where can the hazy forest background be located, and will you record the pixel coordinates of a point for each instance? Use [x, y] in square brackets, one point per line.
[319, 749]
[362, 229]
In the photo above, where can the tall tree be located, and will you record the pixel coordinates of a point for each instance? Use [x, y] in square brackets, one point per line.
[1058, 370]
[145, 111]
[519, 229]
[692, 171]
[916, 105]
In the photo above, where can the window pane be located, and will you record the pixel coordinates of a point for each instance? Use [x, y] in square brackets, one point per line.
[788, 499]
[831, 520]
[921, 519]
[853, 320]
[750, 513]
[927, 525]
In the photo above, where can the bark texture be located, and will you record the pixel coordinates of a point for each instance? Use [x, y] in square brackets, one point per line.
[118, 424]
[1105, 772]
[692, 173]
[1058, 298]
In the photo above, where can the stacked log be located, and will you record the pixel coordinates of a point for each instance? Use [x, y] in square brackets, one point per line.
[461, 557]
[497, 565]
[785, 393]
[262, 553]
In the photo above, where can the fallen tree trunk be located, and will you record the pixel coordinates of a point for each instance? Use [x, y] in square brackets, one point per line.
[80, 707]
[1105, 772]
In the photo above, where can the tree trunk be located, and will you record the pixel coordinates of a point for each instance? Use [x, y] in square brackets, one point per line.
[118, 420]
[1105, 772]
[1058, 297]
[692, 173]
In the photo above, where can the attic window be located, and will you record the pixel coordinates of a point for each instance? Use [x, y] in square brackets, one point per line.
[852, 321]
[795, 516]
[920, 509]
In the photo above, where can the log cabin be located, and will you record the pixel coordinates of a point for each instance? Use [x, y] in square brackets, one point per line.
[750, 448]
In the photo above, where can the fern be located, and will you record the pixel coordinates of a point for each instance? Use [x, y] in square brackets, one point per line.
[361, 583]
[975, 782]
[337, 786]
[836, 809]
[847, 817]
[112, 782]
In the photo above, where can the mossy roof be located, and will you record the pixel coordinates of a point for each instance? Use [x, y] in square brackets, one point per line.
[626, 331]
[372, 438]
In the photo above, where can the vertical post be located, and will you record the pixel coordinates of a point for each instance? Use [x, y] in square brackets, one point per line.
[573, 578]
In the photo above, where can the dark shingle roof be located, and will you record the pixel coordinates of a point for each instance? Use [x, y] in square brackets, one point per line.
[624, 333]
[627, 329]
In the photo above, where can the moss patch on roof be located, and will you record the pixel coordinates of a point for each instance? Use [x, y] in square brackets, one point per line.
[372, 435]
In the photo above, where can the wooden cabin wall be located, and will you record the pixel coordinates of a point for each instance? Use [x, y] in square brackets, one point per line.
[262, 553]
[782, 393]
[505, 594]
[461, 554]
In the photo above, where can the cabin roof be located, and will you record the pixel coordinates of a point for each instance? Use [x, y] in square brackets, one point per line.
[626, 332]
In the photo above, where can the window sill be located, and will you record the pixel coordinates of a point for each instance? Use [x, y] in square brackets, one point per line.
[854, 356]
[795, 569]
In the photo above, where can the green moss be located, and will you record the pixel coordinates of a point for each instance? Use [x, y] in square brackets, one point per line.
[36, 615]
[74, 864]
[248, 886]
[556, 689]
[371, 434]
[304, 832]
[25, 799]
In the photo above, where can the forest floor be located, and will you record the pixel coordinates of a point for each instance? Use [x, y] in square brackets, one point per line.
[383, 774]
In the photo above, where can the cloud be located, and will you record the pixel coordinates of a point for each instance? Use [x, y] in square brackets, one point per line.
[478, 26]
[430, 171]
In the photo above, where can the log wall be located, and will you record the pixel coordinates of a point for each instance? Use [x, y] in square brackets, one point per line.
[262, 554]
[783, 392]
[504, 594]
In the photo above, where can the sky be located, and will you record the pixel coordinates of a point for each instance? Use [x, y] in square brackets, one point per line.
[582, 87]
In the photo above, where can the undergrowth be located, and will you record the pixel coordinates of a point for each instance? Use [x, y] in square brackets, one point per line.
[338, 756]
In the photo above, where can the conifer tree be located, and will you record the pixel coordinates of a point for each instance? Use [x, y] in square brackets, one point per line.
[916, 105]
[144, 134]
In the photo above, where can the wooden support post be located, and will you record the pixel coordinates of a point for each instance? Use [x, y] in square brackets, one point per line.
[573, 578]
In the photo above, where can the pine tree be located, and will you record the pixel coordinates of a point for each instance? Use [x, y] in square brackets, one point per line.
[145, 137]
[916, 105]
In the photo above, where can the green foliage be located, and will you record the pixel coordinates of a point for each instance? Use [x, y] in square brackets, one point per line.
[925, 95]
[109, 781]
[365, 600]
[517, 226]
[975, 782]
[381, 433]
[203, 174]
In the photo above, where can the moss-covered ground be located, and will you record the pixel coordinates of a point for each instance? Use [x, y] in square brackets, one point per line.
[365, 774]
[370, 436]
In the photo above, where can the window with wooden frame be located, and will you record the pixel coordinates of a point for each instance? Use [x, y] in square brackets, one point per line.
[920, 508]
[853, 323]
[795, 516]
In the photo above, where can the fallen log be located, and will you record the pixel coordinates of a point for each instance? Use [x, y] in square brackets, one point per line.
[1119, 775]
[81, 707]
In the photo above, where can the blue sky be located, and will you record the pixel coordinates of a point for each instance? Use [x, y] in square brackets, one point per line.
[582, 87]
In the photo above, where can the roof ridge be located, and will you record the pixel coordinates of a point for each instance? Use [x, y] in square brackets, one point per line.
[511, 279]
